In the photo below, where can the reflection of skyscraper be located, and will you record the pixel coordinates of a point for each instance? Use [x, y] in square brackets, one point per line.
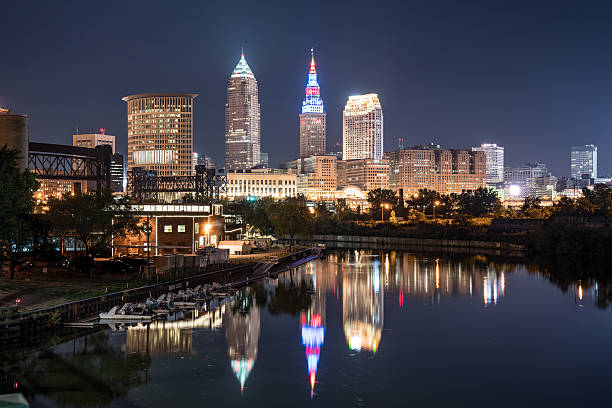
[313, 321]
[362, 306]
[242, 335]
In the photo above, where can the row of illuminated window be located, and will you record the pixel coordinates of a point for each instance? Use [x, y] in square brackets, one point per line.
[179, 228]
[261, 182]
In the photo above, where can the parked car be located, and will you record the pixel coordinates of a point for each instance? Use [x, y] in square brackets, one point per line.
[117, 265]
[82, 264]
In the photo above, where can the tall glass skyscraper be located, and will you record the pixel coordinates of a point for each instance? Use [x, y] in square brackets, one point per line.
[583, 161]
[242, 119]
[495, 161]
[362, 128]
[312, 117]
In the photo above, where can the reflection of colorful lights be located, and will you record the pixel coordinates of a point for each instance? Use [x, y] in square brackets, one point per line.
[313, 336]
[241, 369]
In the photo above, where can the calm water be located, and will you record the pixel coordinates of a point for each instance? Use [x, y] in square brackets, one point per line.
[394, 329]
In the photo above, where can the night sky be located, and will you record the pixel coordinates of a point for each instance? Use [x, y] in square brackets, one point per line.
[533, 76]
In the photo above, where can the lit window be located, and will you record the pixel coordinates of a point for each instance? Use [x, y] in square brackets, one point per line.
[181, 228]
[167, 228]
[197, 228]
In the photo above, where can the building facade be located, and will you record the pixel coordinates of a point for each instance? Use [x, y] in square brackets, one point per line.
[583, 162]
[312, 117]
[494, 155]
[529, 180]
[362, 128]
[445, 171]
[260, 183]
[367, 174]
[92, 140]
[160, 133]
[242, 119]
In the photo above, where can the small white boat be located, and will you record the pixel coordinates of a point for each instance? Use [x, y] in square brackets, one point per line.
[113, 315]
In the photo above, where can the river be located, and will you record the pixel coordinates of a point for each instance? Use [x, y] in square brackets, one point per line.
[359, 328]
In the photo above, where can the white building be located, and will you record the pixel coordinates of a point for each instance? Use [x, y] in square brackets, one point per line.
[583, 161]
[261, 183]
[495, 161]
[362, 128]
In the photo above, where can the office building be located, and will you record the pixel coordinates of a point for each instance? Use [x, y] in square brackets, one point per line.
[362, 128]
[583, 162]
[242, 119]
[366, 174]
[312, 117]
[92, 140]
[495, 161]
[160, 133]
[529, 180]
[206, 161]
[260, 183]
[434, 168]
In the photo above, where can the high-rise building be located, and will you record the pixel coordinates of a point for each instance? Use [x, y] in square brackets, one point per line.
[445, 171]
[362, 128]
[529, 180]
[312, 117]
[92, 140]
[206, 161]
[242, 119]
[584, 161]
[495, 161]
[160, 133]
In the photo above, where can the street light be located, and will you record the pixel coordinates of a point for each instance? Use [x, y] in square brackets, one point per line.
[382, 207]
[437, 203]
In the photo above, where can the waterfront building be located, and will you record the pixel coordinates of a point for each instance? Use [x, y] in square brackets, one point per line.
[175, 229]
[362, 128]
[366, 174]
[583, 162]
[160, 133]
[434, 168]
[312, 117]
[260, 183]
[242, 119]
[495, 161]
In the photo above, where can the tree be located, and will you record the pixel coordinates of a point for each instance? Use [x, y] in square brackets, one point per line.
[424, 201]
[94, 218]
[597, 200]
[564, 206]
[342, 209]
[532, 208]
[291, 217]
[479, 202]
[380, 197]
[17, 204]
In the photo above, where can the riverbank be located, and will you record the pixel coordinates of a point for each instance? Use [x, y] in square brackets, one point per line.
[15, 324]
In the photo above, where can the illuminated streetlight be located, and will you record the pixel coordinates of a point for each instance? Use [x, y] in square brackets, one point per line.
[382, 207]
[437, 203]
[207, 228]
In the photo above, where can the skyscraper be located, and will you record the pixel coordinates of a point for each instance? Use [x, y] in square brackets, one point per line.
[362, 128]
[242, 119]
[160, 133]
[312, 117]
[91, 140]
[583, 161]
[495, 161]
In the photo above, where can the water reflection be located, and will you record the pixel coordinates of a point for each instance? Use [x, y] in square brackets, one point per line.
[362, 302]
[242, 321]
[172, 337]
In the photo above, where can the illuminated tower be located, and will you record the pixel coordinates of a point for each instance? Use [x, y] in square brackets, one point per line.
[362, 128]
[312, 117]
[242, 119]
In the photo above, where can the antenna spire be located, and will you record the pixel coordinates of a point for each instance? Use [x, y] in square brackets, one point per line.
[242, 51]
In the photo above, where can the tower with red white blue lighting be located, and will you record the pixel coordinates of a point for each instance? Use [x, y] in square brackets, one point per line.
[312, 116]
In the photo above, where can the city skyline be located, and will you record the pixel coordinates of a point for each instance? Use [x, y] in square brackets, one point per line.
[449, 94]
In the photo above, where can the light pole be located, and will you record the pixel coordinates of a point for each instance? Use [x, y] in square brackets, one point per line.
[437, 203]
[148, 230]
[382, 213]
